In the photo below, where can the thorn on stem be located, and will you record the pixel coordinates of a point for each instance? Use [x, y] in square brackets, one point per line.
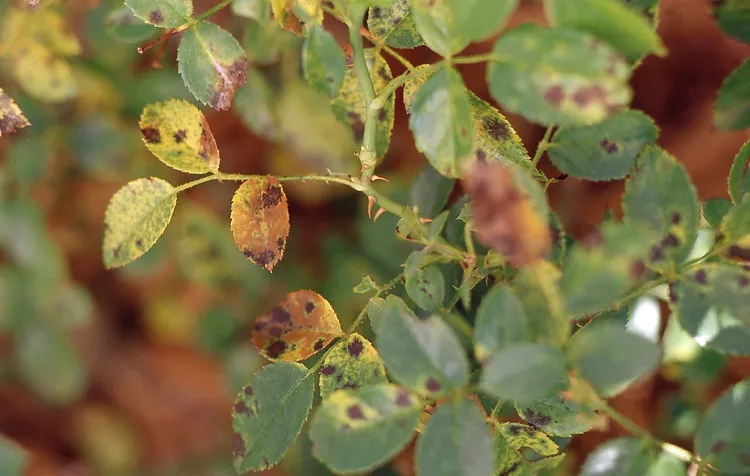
[375, 178]
[377, 214]
[424, 220]
[370, 202]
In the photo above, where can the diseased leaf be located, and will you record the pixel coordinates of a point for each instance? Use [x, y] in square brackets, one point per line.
[351, 363]
[456, 441]
[501, 322]
[269, 413]
[260, 220]
[162, 13]
[739, 174]
[395, 25]
[212, 64]
[11, 116]
[424, 282]
[711, 305]
[603, 151]
[302, 325]
[354, 431]
[440, 119]
[13, 460]
[734, 18]
[732, 109]
[422, 354]
[178, 134]
[136, 217]
[557, 416]
[125, 27]
[521, 436]
[561, 77]
[323, 61]
[510, 462]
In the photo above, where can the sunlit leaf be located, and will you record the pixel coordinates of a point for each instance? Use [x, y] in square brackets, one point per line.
[136, 217]
[323, 61]
[269, 413]
[557, 416]
[125, 27]
[260, 220]
[739, 174]
[510, 462]
[732, 109]
[178, 134]
[395, 25]
[354, 431]
[520, 436]
[11, 116]
[558, 77]
[212, 64]
[162, 13]
[300, 326]
[351, 363]
[501, 321]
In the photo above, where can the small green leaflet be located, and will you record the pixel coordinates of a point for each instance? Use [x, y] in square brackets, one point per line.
[424, 282]
[441, 121]
[611, 358]
[395, 25]
[422, 354]
[430, 191]
[13, 459]
[212, 64]
[723, 436]
[456, 441]
[739, 174]
[323, 61]
[354, 431]
[714, 211]
[556, 416]
[561, 77]
[136, 217]
[736, 225]
[351, 363]
[734, 18]
[268, 414]
[732, 109]
[603, 151]
[501, 321]
[162, 13]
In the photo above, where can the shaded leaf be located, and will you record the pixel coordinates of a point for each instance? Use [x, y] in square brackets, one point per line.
[440, 119]
[424, 282]
[732, 109]
[351, 363]
[265, 41]
[375, 308]
[260, 220]
[136, 217]
[178, 134]
[11, 116]
[254, 9]
[739, 174]
[355, 431]
[255, 102]
[736, 224]
[612, 358]
[212, 64]
[300, 326]
[734, 18]
[557, 416]
[323, 61]
[395, 25]
[541, 327]
[523, 372]
[519, 436]
[430, 191]
[714, 211]
[603, 151]
[456, 441]
[501, 321]
[162, 13]
[125, 27]
[421, 354]
[558, 77]
[269, 413]
[619, 457]
[13, 459]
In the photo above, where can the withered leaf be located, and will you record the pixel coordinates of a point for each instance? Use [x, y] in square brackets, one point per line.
[11, 116]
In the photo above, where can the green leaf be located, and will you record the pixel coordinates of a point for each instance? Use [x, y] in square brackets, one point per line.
[421, 354]
[375, 308]
[711, 305]
[255, 103]
[732, 109]
[268, 414]
[323, 61]
[739, 174]
[13, 459]
[394, 24]
[136, 217]
[558, 77]
[430, 191]
[723, 436]
[611, 358]
[715, 209]
[501, 322]
[366, 285]
[162, 13]
[354, 431]
[661, 197]
[266, 41]
[733, 17]
[441, 122]
[424, 284]
[253, 9]
[603, 151]
[519, 436]
[212, 64]
[623, 27]
[541, 328]
[456, 441]
[178, 134]
[125, 27]
[352, 363]
[557, 416]
[619, 457]
[523, 372]
[736, 224]
[11, 116]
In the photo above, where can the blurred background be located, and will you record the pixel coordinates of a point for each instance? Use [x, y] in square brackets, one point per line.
[133, 371]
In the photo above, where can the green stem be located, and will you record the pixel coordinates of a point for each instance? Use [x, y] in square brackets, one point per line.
[496, 410]
[542, 145]
[480, 58]
[399, 81]
[186, 186]
[367, 154]
[458, 323]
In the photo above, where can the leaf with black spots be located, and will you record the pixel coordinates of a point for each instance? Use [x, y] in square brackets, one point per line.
[352, 363]
[739, 174]
[711, 305]
[162, 13]
[269, 413]
[456, 441]
[557, 416]
[394, 25]
[212, 64]
[323, 62]
[355, 431]
[424, 282]
[424, 355]
[560, 77]
[732, 108]
[136, 217]
[260, 220]
[603, 151]
[501, 321]
[510, 462]
[11, 116]
[520, 436]
[299, 327]
[177, 133]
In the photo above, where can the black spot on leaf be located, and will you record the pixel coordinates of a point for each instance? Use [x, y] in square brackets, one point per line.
[265, 257]
[481, 156]
[156, 17]
[280, 242]
[433, 385]
[355, 412]
[239, 445]
[180, 136]
[496, 129]
[248, 391]
[554, 95]
[271, 197]
[670, 241]
[276, 349]
[309, 307]
[585, 96]
[743, 281]
[319, 344]
[537, 420]
[676, 218]
[151, 134]
[719, 446]
[609, 146]
[701, 277]
[657, 253]
[241, 408]
[327, 370]
[280, 315]
[403, 399]
[736, 251]
[355, 348]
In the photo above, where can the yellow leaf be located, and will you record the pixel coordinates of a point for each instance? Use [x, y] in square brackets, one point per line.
[11, 116]
[279, 8]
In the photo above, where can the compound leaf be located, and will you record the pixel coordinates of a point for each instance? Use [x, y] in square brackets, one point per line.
[269, 413]
[395, 25]
[11, 116]
[136, 217]
[523, 372]
[557, 416]
[162, 13]
[302, 325]
[732, 109]
[351, 363]
[323, 62]
[260, 220]
[501, 322]
[739, 174]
